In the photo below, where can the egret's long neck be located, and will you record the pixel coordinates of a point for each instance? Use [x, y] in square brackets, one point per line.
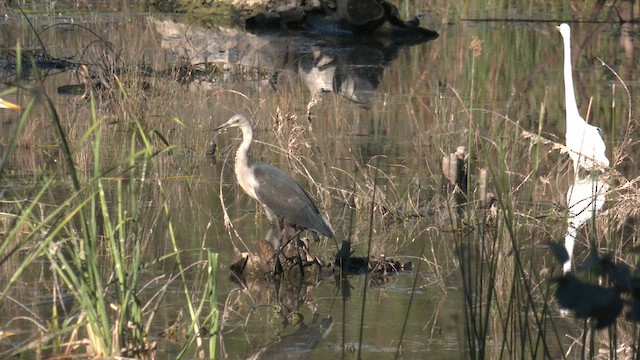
[569, 94]
[241, 166]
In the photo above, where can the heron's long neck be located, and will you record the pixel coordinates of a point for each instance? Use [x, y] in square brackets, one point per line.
[569, 94]
[242, 160]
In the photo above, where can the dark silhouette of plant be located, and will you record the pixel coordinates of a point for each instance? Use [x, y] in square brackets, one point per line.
[618, 286]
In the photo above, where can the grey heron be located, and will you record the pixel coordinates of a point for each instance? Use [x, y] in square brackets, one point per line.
[586, 147]
[276, 191]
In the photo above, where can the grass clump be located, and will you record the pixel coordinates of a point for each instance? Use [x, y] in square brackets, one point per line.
[94, 244]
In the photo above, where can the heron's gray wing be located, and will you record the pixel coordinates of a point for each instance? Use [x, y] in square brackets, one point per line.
[282, 195]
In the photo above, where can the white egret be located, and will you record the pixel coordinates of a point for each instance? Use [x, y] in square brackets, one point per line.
[276, 191]
[584, 141]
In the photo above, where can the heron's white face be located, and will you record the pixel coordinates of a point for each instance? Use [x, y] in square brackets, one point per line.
[235, 121]
[564, 30]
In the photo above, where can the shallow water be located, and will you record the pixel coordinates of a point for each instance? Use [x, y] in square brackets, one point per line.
[398, 109]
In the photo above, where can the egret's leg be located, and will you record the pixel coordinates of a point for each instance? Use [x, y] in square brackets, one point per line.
[569, 241]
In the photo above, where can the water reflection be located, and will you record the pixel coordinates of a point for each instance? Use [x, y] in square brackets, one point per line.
[298, 344]
[350, 67]
[352, 71]
[281, 319]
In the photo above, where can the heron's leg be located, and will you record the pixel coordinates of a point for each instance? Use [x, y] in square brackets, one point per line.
[282, 244]
[275, 221]
[295, 237]
[277, 270]
[278, 223]
[298, 256]
[569, 241]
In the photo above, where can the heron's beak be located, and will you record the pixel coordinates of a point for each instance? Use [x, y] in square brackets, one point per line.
[4, 104]
[222, 127]
[558, 28]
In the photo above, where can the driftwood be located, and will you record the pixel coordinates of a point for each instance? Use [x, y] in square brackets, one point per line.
[365, 17]
[342, 17]
[454, 177]
[380, 265]
[455, 180]
[454, 172]
[263, 263]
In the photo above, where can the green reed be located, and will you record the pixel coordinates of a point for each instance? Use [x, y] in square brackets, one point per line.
[95, 241]
[505, 317]
[510, 308]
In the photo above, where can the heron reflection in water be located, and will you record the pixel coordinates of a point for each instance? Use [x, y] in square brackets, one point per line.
[283, 199]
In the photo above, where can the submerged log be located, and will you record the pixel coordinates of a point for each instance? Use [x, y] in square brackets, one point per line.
[380, 265]
[249, 266]
[263, 265]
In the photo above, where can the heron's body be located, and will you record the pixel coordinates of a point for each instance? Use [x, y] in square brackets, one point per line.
[4, 104]
[275, 190]
[586, 147]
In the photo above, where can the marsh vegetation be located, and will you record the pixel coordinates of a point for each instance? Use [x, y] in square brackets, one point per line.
[120, 214]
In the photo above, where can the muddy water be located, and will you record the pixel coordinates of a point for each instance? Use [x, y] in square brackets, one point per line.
[354, 113]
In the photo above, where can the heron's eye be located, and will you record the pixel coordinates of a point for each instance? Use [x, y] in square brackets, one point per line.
[599, 130]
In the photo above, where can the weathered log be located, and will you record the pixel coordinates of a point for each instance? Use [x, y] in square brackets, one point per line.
[340, 17]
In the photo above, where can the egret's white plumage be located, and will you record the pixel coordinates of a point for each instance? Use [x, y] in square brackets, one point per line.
[275, 190]
[586, 147]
